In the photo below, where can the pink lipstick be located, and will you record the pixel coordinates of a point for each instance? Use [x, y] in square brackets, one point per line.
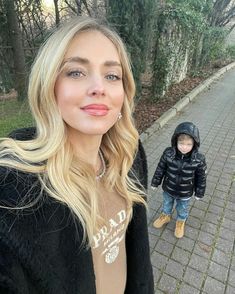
[96, 109]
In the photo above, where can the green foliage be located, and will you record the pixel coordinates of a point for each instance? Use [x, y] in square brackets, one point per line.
[132, 19]
[230, 51]
[160, 71]
[189, 14]
[184, 32]
[213, 45]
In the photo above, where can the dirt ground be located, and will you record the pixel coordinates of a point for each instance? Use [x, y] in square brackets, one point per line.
[146, 112]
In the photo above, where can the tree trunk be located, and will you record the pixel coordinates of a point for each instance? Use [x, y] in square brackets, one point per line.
[57, 13]
[95, 8]
[18, 51]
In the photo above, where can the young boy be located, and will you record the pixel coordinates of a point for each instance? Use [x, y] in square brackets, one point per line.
[183, 171]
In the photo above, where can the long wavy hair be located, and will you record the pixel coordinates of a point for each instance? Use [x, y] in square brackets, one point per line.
[50, 155]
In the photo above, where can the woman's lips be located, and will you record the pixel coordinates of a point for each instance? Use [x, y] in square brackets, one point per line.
[96, 109]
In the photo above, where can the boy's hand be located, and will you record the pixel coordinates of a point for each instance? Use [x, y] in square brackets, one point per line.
[153, 188]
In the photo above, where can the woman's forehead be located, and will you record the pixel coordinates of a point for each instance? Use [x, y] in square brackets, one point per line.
[92, 45]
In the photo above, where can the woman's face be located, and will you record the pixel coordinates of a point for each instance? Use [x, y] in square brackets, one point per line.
[89, 89]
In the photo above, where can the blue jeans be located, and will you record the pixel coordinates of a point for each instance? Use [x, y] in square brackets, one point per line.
[182, 206]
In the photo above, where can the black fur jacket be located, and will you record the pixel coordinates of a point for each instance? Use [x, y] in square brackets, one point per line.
[40, 247]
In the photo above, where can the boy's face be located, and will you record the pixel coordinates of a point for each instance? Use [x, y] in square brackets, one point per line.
[185, 145]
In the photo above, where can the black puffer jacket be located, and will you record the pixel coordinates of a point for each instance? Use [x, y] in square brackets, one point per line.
[182, 174]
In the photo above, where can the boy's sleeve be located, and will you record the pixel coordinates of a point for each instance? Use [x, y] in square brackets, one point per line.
[160, 171]
[200, 178]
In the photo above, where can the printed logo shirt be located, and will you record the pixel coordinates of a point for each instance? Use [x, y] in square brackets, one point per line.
[108, 247]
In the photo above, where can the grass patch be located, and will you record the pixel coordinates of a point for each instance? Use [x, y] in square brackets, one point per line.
[13, 115]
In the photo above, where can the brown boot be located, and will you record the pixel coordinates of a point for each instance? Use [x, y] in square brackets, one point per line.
[162, 220]
[179, 229]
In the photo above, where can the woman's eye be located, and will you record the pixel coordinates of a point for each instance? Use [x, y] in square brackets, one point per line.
[75, 74]
[113, 77]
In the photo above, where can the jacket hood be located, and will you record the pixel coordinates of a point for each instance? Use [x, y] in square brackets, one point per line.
[187, 128]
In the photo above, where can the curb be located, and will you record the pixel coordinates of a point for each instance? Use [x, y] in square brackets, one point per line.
[169, 114]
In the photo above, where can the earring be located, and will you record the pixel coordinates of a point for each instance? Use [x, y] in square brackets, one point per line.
[119, 116]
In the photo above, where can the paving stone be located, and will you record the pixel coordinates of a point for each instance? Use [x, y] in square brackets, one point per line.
[150, 214]
[168, 284]
[152, 240]
[180, 255]
[156, 274]
[220, 195]
[224, 245]
[154, 231]
[229, 214]
[193, 222]
[164, 247]
[209, 228]
[218, 201]
[230, 290]
[213, 286]
[193, 277]
[174, 269]
[218, 272]
[186, 243]
[202, 249]
[206, 238]
[231, 206]
[198, 213]
[186, 289]
[206, 199]
[198, 263]
[221, 257]
[222, 188]
[191, 232]
[226, 234]
[231, 278]
[212, 218]
[233, 263]
[201, 205]
[168, 236]
[227, 223]
[210, 187]
[225, 181]
[158, 260]
[215, 209]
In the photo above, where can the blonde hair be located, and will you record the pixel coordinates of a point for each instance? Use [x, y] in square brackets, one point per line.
[183, 137]
[50, 155]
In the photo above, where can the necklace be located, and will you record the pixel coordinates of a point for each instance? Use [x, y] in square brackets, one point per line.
[103, 171]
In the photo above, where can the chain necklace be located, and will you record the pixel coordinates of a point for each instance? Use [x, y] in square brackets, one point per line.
[103, 171]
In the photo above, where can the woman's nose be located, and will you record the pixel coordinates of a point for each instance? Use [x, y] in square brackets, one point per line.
[96, 87]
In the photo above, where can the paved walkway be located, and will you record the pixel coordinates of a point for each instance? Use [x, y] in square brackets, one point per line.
[203, 261]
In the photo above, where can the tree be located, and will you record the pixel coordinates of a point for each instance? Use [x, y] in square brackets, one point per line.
[132, 19]
[17, 47]
[57, 12]
[222, 13]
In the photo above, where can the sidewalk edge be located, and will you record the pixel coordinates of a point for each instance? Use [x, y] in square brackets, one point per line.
[170, 113]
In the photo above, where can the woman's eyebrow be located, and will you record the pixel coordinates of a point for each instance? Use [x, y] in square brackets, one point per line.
[112, 63]
[85, 61]
[76, 59]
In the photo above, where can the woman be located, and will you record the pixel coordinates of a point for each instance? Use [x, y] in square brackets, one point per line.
[73, 215]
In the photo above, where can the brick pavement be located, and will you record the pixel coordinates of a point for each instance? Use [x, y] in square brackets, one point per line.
[203, 261]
